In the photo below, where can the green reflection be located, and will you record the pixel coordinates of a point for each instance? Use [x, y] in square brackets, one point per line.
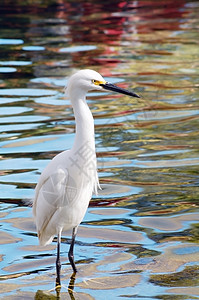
[188, 277]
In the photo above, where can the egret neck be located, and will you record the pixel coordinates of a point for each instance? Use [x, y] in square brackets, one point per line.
[84, 144]
[85, 134]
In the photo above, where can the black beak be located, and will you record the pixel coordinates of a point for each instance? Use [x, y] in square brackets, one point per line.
[112, 87]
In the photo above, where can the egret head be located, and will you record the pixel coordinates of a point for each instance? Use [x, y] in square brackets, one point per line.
[87, 80]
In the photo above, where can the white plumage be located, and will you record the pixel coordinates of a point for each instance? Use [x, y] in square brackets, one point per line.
[66, 185]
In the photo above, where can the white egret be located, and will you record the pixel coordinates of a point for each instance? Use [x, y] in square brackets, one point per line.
[66, 185]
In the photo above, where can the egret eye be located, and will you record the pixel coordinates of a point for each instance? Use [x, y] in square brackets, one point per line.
[94, 81]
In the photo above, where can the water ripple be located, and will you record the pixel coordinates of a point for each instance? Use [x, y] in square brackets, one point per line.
[139, 238]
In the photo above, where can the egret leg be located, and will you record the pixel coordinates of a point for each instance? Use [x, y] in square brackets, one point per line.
[71, 286]
[70, 253]
[58, 262]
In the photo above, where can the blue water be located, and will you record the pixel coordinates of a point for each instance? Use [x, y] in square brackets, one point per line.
[144, 221]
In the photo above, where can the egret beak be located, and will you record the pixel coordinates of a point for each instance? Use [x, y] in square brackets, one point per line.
[117, 89]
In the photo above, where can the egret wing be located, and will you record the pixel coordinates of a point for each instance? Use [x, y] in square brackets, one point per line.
[50, 197]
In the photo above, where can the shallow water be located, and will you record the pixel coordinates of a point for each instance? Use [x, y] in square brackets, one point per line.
[139, 238]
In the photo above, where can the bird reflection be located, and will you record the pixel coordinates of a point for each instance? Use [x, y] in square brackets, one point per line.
[71, 286]
[41, 294]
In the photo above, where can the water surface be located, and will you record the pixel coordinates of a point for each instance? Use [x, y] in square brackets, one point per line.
[139, 238]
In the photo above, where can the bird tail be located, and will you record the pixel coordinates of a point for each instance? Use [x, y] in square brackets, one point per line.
[45, 239]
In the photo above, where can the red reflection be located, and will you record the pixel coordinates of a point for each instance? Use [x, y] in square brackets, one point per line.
[109, 23]
[106, 24]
